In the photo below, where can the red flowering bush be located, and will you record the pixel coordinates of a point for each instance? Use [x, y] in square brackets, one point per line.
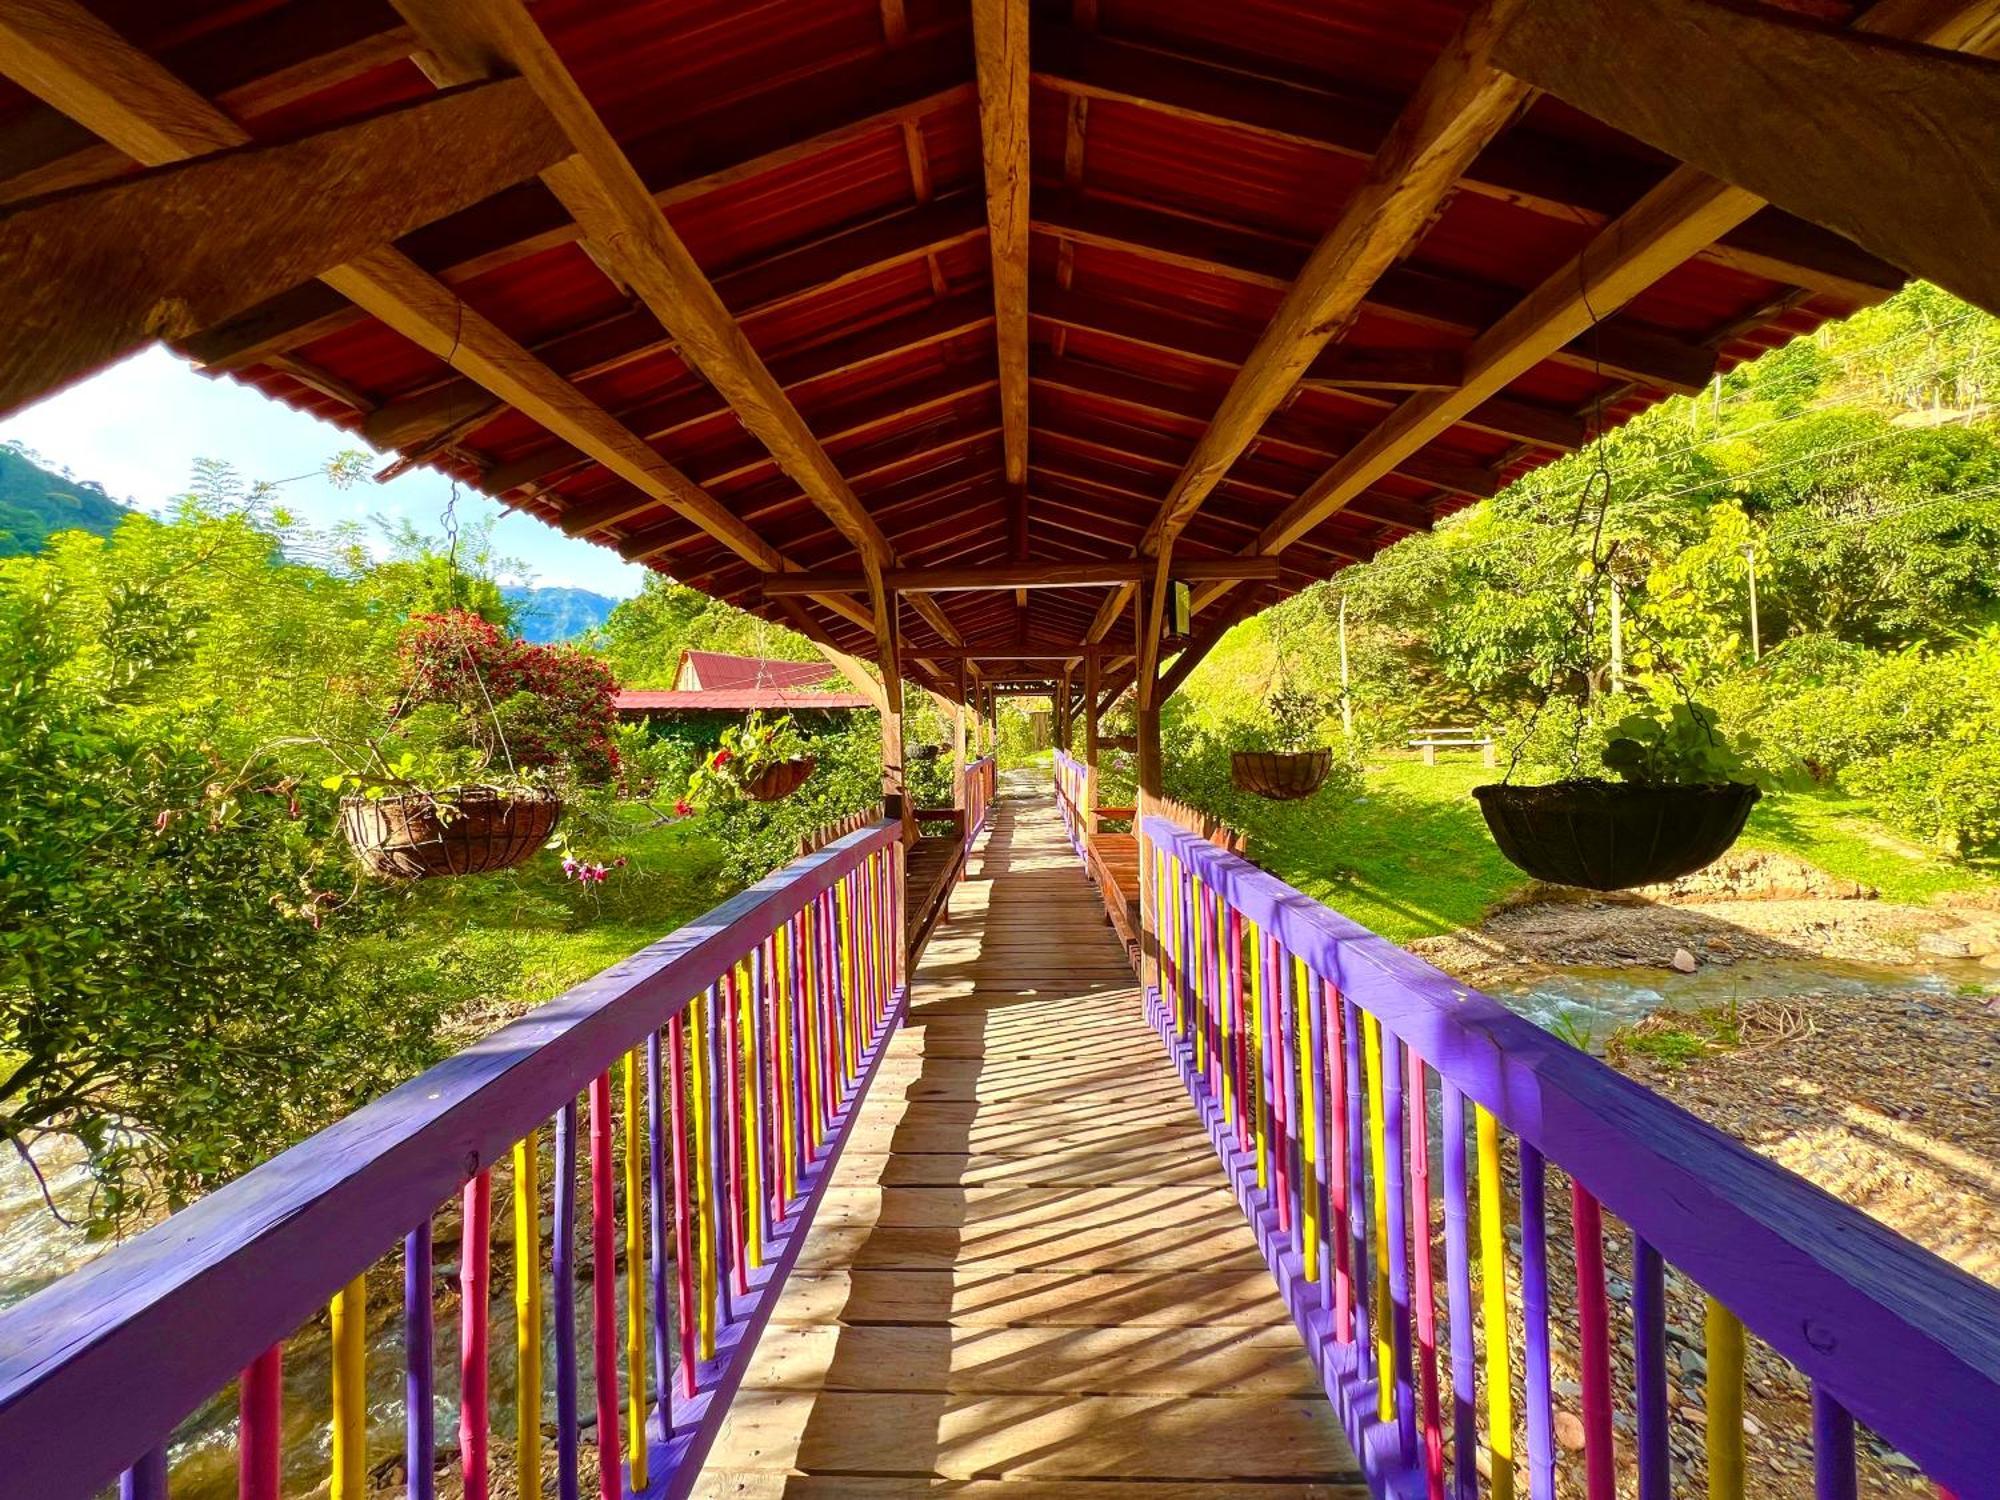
[550, 708]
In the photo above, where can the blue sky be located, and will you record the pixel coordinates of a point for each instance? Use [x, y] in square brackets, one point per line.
[137, 428]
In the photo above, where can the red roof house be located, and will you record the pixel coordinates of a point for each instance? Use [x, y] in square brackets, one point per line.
[715, 682]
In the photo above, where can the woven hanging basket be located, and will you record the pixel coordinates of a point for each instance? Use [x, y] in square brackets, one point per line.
[780, 779]
[1281, 775]
[467, 830]
[1607, 836]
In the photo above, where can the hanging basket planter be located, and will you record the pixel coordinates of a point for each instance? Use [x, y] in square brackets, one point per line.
[1281, 775]
[779, 779]
[1608, 836]
[468, 830]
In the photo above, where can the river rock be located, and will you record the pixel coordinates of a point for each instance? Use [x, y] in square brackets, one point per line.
[1685, 961]
[1758, 875]
[1569, 1431]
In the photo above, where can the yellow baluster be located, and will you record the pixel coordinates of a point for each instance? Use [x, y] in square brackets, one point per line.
[1723, 1338]
[1308, 1119]
[350, 1390]
[1379, 1189]
[528, 1316]
[635, 1280]
[1493, 1305]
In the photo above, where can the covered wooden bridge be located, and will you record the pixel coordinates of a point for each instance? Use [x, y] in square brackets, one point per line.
[996, 347]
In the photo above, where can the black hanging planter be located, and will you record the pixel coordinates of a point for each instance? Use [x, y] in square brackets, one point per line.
[1280, 775]
[1610, 836]
[467, 830]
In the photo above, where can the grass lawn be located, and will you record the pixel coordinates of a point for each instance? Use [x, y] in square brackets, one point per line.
[1412, 858]
[510, 942]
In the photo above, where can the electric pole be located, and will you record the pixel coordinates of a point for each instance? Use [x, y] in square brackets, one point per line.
[1346, 703]
[1617, 639]
[1756, 643]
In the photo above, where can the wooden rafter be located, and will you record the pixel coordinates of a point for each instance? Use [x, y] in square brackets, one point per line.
[1002, 577]
[1833, 120]
[1685, 212]
[762, 134]
[95, 273]
[391, 286]
[1000, 51]
[1462, 103]
[598, 185]
[1546, 176]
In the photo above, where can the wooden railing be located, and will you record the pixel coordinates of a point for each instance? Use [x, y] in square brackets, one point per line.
[738, 1049]
[977, 789]
[1071, 779]
[1319, 1057]
[839, 828]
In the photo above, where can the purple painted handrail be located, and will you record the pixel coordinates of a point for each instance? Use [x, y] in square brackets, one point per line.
[99, 1367]
[1903, 1341]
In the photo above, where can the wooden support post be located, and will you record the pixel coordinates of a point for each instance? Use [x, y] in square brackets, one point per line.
[1063, 707]
[1152, 785]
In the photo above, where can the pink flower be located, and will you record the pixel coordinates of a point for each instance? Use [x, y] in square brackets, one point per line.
[682, 810]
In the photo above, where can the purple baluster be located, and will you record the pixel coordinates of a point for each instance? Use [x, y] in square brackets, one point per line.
[656, 1171]
[1833, 1448]
[1357, 1186]
[759, 975]
[563, 1282]
[1394, 1188]
[1322, 1135]
[147, 1479]
[1535, 1322]
[420, 1418]
[1649, 1359]
[1458, 1294]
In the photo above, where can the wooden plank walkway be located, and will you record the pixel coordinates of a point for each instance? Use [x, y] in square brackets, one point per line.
[1027, 1281]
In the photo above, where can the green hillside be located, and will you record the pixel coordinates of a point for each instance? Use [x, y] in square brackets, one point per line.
[36, 503]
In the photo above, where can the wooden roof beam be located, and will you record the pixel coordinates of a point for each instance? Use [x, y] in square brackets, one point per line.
[253, 68]
[96, 273]
[1405, 292]
[632, 335]
[1039, 575]
[1666, 227]
[131, 101]
[1550, 177]
[1000, 54]
[1897, 148]
[617, 213]
[759, 134]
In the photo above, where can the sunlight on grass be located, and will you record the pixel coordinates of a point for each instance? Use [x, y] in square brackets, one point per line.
[1411, 857]
[1840, 835]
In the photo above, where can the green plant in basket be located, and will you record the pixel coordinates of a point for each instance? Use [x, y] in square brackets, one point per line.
[1683, 746]
[743, 754]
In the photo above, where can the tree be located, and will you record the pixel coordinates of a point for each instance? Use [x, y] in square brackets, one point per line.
[646, 634]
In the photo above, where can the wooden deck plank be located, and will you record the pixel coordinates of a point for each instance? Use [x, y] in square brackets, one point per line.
[1027, 1279]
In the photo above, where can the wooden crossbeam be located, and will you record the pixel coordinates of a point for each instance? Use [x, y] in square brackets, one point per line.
[96, 273]
[1406, 293]
[1459, 107]
[1687, 211]
[1000, 53]
[1002, 577]
[148, 101]
[270, 60]
[851, 102]
[1551, 177]
[1898, 148]
[600, 188]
